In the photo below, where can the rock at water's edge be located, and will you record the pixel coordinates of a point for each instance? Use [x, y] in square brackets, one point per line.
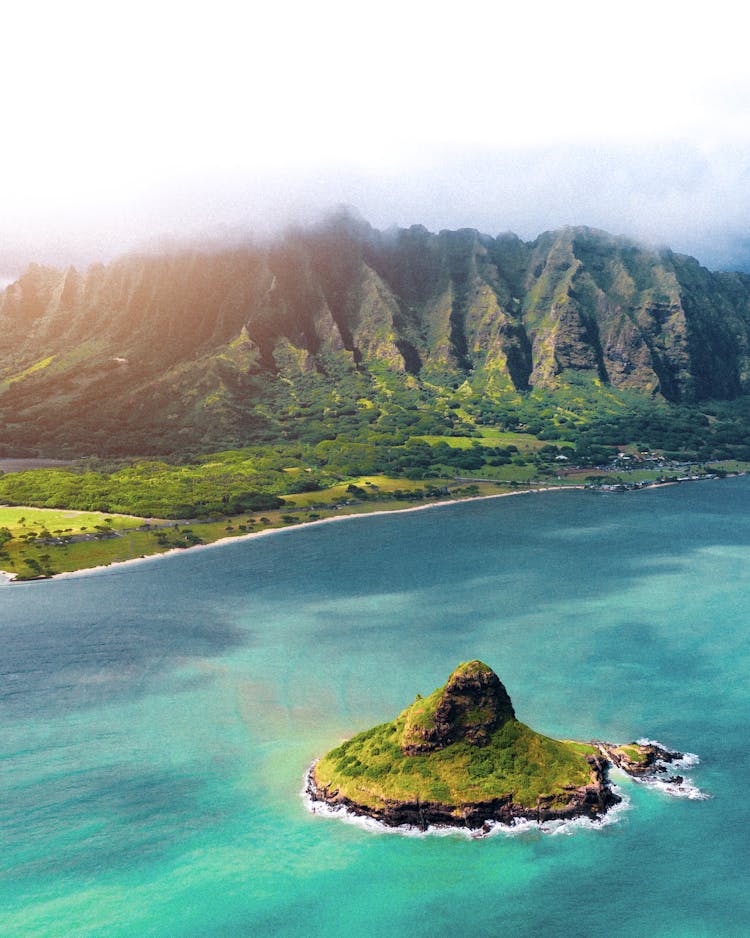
[591, 801]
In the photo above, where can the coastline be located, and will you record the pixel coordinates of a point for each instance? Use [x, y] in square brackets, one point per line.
[591, 801]
[594, 805]
[7, 578]
[85, 571]
[516, 828]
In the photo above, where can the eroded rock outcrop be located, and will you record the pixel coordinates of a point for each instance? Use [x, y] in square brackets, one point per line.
[206, 334]
[471, 706]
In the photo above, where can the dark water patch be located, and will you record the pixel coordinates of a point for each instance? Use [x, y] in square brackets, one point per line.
[99, 820]
[425, 550]
[91, 641]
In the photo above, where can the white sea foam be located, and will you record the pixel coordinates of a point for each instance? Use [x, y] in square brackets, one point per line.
[491, 829]
[683, 789]
[663, 778]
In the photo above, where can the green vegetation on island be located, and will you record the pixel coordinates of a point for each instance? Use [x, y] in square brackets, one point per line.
[460, 757]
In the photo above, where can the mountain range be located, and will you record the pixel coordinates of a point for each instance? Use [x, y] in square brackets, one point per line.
[200, 349]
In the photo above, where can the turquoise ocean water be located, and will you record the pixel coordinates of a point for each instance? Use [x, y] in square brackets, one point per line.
[156, 722]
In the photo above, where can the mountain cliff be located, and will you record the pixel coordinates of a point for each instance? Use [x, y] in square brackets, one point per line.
[152, 354]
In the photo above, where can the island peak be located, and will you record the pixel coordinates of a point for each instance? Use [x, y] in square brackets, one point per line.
[470, 706]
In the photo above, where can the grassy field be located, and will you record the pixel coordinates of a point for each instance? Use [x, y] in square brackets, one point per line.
[373, 485]
[489, 437]
[506, 474]
[729, 465]
[32, 520]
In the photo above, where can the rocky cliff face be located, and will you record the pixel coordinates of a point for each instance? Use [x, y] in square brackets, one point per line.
[151, 342]
[576, 300]
[471, 705]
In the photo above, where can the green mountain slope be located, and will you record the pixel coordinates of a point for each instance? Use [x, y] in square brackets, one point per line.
[340, 325]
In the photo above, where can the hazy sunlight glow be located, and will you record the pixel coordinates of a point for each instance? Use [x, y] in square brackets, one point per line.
[125, 121]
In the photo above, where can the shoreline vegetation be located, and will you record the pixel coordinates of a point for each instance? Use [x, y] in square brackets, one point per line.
[274, 524]
[114, 540]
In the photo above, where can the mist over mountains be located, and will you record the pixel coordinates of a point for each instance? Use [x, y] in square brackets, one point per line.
[158, 353]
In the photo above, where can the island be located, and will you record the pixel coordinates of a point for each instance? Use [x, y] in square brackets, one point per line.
[459, 757]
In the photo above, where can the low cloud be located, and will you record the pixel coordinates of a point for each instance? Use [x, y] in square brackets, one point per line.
[672, 195]
[246, 118]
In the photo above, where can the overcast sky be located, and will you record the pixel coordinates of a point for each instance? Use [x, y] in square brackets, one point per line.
[127, 124]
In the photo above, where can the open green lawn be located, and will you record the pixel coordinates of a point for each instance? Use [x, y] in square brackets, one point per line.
[489, 437]
[29, 554]
[372, 484]
[504, 474]
[82, 555]
[21, 520]
[524, 441]
[729, 465]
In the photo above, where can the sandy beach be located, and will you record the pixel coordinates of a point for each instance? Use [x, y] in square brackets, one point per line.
[87, 571]
[6, 577]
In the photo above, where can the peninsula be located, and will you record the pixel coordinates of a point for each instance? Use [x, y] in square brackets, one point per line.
[459, 757]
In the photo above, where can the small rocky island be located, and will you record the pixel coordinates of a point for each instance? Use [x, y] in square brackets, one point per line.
[461, 758]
